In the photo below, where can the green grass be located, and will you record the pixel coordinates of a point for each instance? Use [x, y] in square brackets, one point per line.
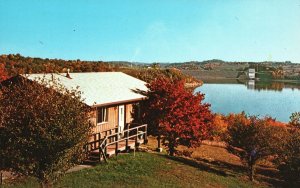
[147, 170]
[264, 75]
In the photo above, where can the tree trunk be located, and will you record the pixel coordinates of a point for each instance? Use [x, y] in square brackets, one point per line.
[1, 176]
[46, 184]
[158, 149]
[158, 141]
[171, 149]
[171, 152]
[251, 172]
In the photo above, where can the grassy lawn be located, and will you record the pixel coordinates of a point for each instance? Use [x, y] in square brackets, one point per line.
[148, 170]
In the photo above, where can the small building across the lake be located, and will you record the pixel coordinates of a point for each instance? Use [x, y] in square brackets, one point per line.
[251, 73]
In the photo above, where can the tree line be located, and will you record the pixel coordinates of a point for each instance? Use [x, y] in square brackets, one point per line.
[14, 64]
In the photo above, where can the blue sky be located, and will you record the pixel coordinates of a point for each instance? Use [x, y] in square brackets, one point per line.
[152, 30]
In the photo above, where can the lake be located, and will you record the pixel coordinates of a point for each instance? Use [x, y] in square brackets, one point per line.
[278, 101]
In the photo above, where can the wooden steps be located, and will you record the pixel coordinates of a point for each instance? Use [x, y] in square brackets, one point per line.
[94, 157]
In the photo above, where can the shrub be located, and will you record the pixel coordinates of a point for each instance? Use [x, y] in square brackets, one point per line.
[295, 120]
[253, 139]
[43, 130]
[289, 165]
[289, 156]
[220, 125]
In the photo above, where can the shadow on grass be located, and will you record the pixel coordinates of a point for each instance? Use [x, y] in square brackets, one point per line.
[199, 165]
[264, 175]
[270, 176]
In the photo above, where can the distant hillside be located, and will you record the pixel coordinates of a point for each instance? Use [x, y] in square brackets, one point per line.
[191, 65]
[221, 70]
[15, 64]
[192, 71]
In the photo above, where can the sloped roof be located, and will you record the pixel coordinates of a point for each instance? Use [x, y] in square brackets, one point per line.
[99, 88]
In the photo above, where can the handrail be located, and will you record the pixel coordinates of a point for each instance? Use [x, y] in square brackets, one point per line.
[103, 142]
[108, 130]
[122, 139]
[127, 130]
[127, 138]
[117, 127]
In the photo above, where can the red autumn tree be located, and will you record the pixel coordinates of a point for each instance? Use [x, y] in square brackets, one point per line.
[3, 73]
[176, 114]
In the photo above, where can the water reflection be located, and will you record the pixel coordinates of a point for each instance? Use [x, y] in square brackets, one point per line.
[274, 86]
[276, 99]
[251, 84]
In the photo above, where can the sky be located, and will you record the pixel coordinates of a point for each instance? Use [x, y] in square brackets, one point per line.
[152, 30]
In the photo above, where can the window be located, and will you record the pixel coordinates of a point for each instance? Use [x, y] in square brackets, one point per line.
[102, 115]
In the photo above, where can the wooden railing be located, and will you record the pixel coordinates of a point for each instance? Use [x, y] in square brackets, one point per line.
[102, 140]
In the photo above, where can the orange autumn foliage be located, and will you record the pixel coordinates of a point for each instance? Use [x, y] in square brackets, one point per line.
[3, 73]
[272, 122]
[221, 123]
[241, 117]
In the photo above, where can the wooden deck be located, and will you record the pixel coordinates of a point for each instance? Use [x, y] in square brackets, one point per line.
[103, 147]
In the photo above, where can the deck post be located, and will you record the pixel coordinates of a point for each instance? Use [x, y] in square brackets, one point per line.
[103, 151]
[137, 137]
[145, 135]
[95, 139]
[110, 133]
[117, 143]
[99, 139]
[104, 156]
[126, 138]
[158, 149]
[105, 147]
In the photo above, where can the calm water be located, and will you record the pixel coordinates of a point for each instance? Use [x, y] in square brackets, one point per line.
[226, 98]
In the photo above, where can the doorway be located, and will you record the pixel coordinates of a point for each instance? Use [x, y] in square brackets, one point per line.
[121, 118]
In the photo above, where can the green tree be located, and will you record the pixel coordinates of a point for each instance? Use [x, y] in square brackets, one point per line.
[295, 120]
[253, 139]
[155, 65]
[43, 129]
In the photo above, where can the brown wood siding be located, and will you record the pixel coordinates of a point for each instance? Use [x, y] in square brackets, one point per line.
[113, 118]
[129, 109]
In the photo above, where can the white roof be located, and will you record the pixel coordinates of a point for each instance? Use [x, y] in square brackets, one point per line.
[99, 88]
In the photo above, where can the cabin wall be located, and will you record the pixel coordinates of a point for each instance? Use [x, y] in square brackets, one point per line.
[113, 118]
[110, 124]
[129, 110]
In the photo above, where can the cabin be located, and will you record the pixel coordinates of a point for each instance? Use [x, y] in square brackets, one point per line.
[112, 97]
